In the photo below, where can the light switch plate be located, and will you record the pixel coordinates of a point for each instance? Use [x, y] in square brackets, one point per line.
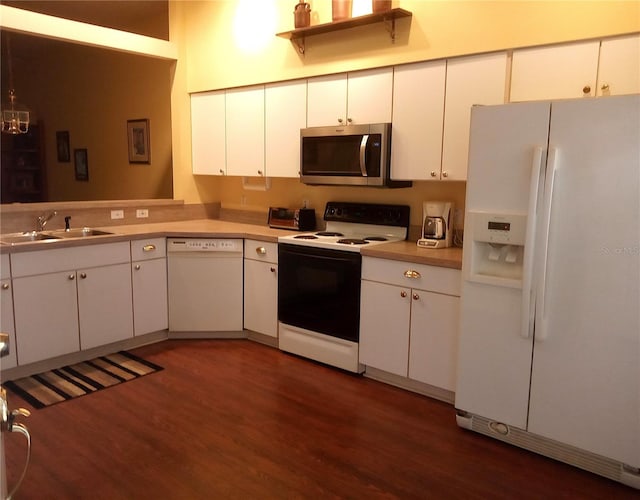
[117, 214]
[142, 213]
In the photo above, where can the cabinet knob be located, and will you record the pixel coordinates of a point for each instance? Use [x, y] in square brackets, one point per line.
[259, 172]
[445, 174]
[272, 269]
[137, 267]
[261, 250]
[349, 120]
[83, 275]
[340, 120]
[605, 87]
[410, 273]
[433, 173]
[221, 172]
[5, 286]
[72, 276]
[416, 296]
[586, 90]
[403, 294]
[148, 248]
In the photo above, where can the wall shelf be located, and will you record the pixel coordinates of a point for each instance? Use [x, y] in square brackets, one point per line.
[388, 17]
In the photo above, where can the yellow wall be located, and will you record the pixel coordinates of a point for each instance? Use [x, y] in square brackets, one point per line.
[216, 36]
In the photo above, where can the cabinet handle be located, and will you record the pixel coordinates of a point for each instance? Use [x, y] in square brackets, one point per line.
[433, 173]
[137, 267]
[148, 248]
[72, 276]
[272, 269]
[416, 296]
[445, 174]
[5, 286]
[410, 273]
[586, 90]
[403, 294]
[261, 250]
[83, 275]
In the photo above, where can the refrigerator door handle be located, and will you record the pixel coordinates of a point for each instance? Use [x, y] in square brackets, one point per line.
[541, 330]
[528, 297]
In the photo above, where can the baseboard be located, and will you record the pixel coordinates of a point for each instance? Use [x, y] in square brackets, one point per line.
[208, 335]
[410, 385]
[261, 338]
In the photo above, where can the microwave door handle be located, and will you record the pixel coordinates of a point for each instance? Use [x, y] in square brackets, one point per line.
[363, 151]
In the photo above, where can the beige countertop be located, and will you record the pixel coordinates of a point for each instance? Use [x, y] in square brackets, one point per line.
[406, 251]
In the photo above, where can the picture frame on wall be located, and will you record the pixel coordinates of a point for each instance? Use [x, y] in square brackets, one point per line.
[138, 136]
[62, 146]
[81, 164]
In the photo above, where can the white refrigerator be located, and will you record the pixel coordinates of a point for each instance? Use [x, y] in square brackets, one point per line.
[549, 354]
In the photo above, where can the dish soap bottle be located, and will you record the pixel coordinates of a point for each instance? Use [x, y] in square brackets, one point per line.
[302, 14]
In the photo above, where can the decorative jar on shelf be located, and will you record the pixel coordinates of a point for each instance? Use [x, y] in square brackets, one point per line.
[380, 5]
[340, 10]
[302, 15]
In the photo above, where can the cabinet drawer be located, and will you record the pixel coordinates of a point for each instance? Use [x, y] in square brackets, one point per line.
[430, 278]
[261, 250]
[63, 259]
[153, 248]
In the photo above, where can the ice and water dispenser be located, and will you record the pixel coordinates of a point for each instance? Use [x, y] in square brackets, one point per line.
[496, 249]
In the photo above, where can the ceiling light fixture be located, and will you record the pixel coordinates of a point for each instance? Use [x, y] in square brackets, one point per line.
[15, 117]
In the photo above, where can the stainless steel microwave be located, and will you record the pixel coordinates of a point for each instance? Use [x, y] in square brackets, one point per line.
[351, 155]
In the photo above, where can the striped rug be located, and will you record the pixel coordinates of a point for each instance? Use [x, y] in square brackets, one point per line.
[76, 380]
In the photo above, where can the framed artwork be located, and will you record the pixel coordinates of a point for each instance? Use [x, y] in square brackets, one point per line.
[81, 164]
[62, 144]
[138, 140]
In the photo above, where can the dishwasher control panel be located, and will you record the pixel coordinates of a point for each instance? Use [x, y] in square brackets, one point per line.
[203, 245]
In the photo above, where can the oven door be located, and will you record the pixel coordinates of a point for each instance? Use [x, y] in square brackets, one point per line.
[319, 290]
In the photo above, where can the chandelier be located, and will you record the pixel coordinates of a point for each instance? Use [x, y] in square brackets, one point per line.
[15, 118]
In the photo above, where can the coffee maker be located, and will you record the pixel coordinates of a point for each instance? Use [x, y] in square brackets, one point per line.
[437, 225]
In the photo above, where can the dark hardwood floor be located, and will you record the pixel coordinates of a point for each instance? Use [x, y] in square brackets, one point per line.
[236, 419]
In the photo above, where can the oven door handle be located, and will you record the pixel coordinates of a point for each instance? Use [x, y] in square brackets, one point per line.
[363, 155]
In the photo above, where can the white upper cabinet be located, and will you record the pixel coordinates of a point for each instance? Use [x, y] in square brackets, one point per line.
[208, 133]
[557, 72]
[245, 131]
[475, 80]
[418, 109]
[285, 114]
[619, 68]
[359, 97]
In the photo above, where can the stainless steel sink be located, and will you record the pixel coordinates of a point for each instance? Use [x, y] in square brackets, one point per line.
[29, 236]
[80, 232]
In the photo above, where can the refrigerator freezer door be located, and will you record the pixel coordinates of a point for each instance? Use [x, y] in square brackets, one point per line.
[494, 360]
[585, 386]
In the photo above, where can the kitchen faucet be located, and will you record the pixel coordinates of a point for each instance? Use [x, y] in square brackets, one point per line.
[43, 219]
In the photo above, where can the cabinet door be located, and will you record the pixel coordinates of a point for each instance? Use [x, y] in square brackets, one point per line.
[7, 324]
[208, 133]
[46, 316]
[285, 114]
[245, 131]
[261, 297]
[619, 68]
[369, 96]
[327, 100]
[557, 72]
[104, 305]
[434, 339]
[384, 327]
[418, 108]
[149, 279]
[470, 81]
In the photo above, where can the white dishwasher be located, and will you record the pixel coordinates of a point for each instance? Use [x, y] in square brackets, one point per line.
[205, 284]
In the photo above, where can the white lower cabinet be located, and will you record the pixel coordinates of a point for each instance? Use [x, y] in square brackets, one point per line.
[7, 324]
[149, 280]
[70, 299]
[261, 287]
[409, 320]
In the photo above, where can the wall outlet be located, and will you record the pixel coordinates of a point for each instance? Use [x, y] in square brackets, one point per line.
[117, 214]
[142, 213]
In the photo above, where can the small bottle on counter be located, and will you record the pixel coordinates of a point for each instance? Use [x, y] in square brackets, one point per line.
[302, 14]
